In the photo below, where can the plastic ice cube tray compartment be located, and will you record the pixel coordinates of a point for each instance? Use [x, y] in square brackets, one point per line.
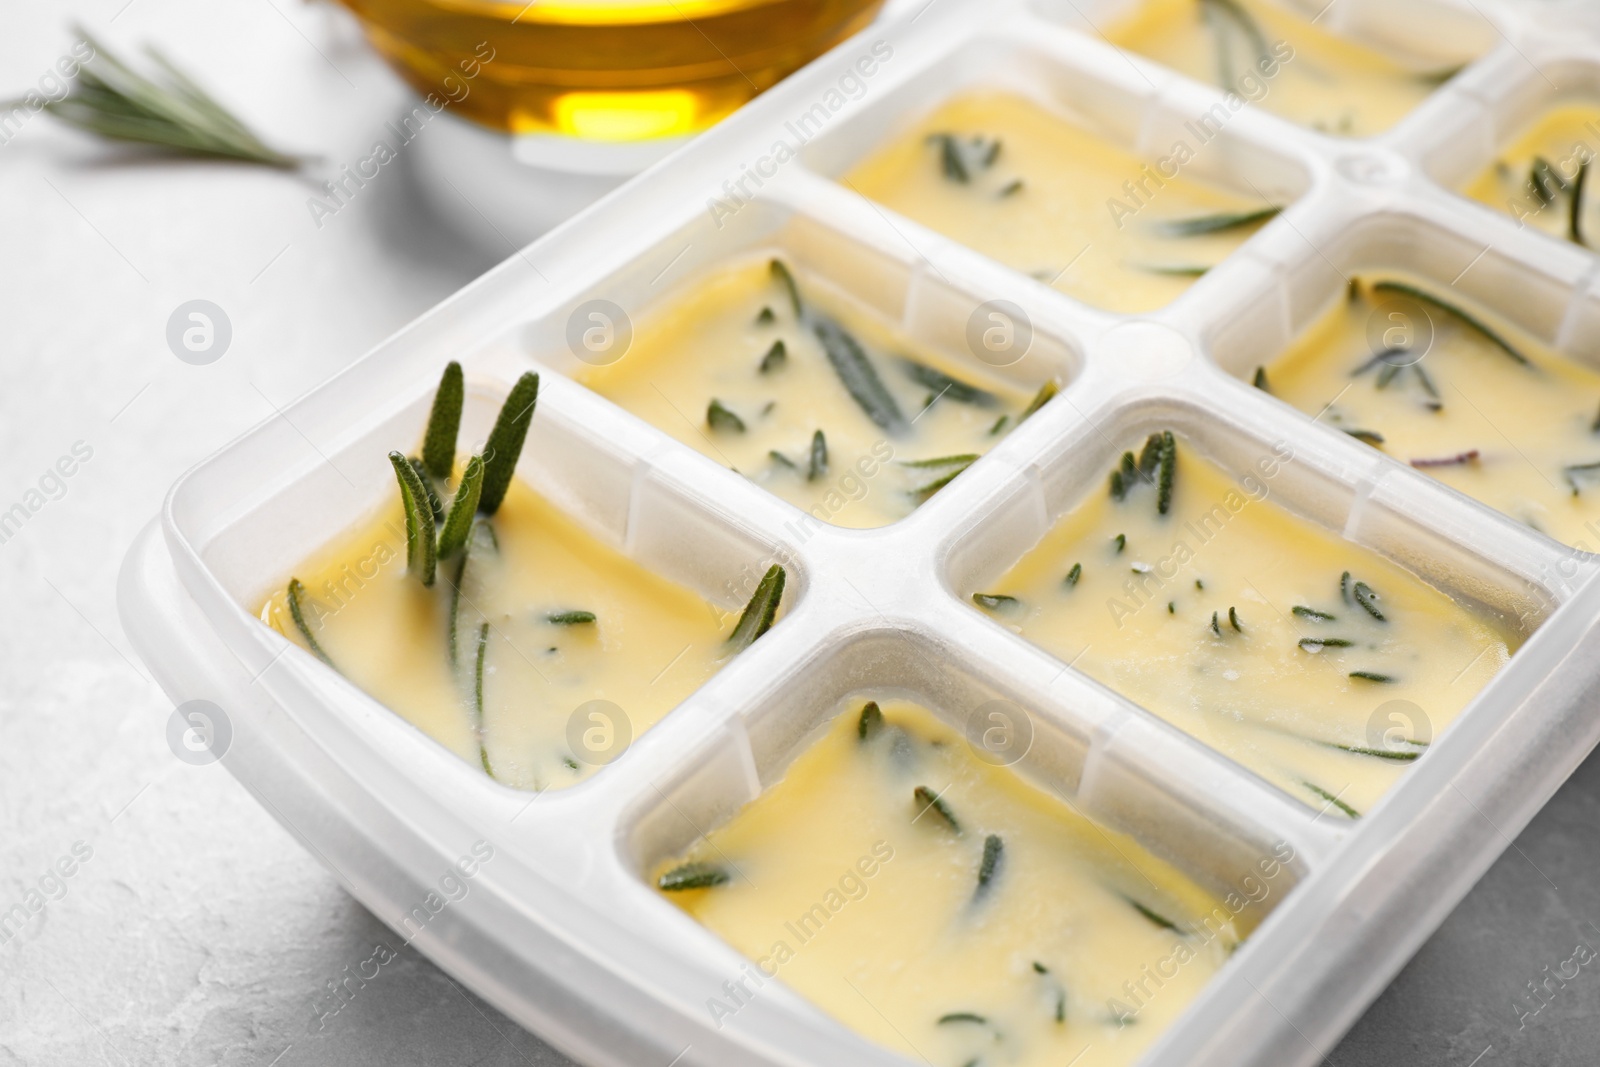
[559, 927]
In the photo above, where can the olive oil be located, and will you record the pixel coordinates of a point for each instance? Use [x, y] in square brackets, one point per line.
[608, 70]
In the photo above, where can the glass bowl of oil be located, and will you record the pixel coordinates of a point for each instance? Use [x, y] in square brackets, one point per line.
[605, 70]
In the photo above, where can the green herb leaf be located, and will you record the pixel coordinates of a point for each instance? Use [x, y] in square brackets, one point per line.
[1047, 392]
[1000, 424]
[570, 618]
[859, 377]
[1371, 437]
[455, 602]
[692, 876]
[1222, 222]
[1575, 217]
[781, 460]
[989, 866]
[1173, 270]
[996, 601]
[1367, 599]
[1260, 380]
[945, 386]
[1119, 542]
[1168, 471]
[435, 505]
[444, 423]
[776, 358]
[1378, 753]
[962, 1017]
[1221, 15]
[1317, 644]
[1477, 325]
[1075, 575]
[766, 317]
[760, 611]
[818, 465]
[1233, 620]
[422, 557]
[296, 597]
[1331, 799]
[1312, 613]
[870, 724]
[721, 420]
[458, 524]
[504, 447]
[1374, 676]
[1009, 189]
[780, 271]
[1154, 916]
[931, 801]
[477, 697]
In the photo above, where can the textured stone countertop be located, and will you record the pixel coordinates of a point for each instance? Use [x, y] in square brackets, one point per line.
[197, 931]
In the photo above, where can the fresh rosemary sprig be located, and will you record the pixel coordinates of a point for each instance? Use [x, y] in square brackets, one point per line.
[569, 618]
[817, 465]
[760, 611]
[111, 99]
[1477, 325]
[505, 442]
[691, 876]
[721, 420]
[444, 424]
[989, 866]
[296, 597]
[870, 722]
[945, 386]
[931, 801]
[422, 548]
[1221, 222]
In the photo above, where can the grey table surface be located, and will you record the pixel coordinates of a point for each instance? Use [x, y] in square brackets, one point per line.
[197, 931]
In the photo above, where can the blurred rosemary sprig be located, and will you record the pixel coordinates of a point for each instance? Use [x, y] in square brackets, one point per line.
[111, 99]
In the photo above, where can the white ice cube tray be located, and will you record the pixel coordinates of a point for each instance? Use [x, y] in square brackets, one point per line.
[560, 928]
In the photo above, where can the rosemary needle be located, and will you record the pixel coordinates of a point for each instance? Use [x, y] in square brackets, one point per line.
[817, 466]
[760, 611]
[721, 420]
[1477, 325]
[297, 592]
[477, 692]
[115, 101]
[931, 801]
[570, 618]
[504, 446]
[870, 724]
[691, 876]
[444, 422]
[989, 867]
